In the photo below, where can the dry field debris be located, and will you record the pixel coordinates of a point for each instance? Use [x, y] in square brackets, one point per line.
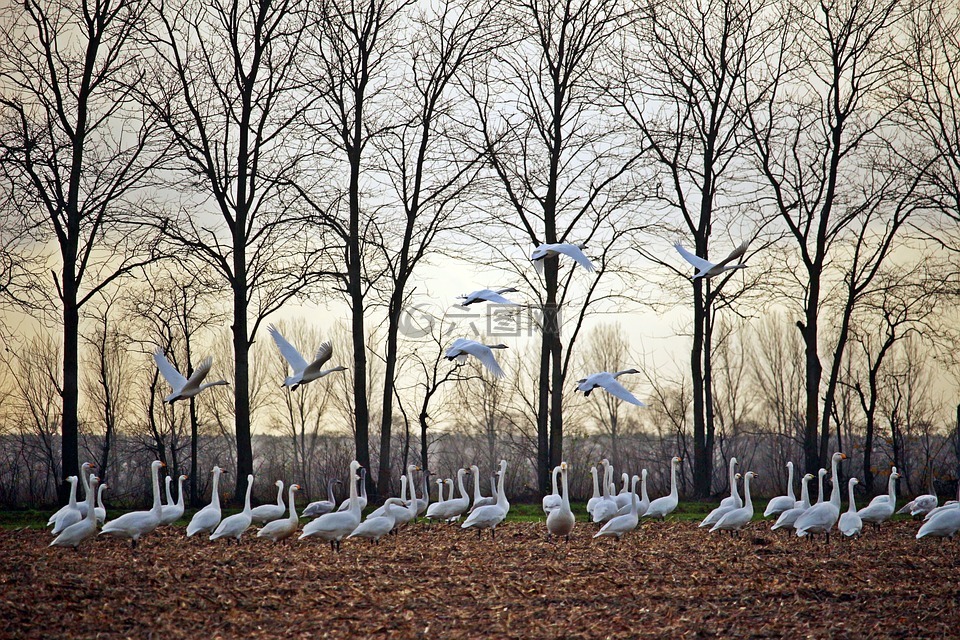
[434, 581]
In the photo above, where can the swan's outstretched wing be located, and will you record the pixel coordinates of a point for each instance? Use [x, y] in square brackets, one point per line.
[577, 254]
[458, 345]
[288, 351]
[493, 296]
[696, 261]
[324, 353]
[614, 388]
[200, 372]
[735, 254]
[484, 354]
[171, 375]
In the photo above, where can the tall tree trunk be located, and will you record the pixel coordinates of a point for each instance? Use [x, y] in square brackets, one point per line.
[701, 482]
[70, 465]
[241, 351]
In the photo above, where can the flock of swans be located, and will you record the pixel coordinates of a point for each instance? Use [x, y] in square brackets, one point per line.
[615, 513]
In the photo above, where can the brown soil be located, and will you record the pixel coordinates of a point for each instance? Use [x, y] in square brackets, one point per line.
[665, 580]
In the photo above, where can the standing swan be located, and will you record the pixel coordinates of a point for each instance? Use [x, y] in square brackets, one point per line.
[478, 499]
[71, 514]
[606, 507]
[84, 471]
[737, 519]
[821, 517]
[170, 513]
[489, 517]
[560, 521]
[592, 502]
[321, 507]
[269, 512]
[138, 523]
[620, 525]
[662, 507]
[789, 517]
[332, 527]
[850, 522]
[878, 512]
[453, 508]
[207, 519]
[733, 500]
[282, 529]
[362, 497]
[778, 505]
[714, 516]
[76, 533]
[234, 526]
[552, 501]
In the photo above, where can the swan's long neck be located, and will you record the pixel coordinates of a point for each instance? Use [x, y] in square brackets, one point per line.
[790, 492]
[835, 493]
[805, 492]
[853, 504]
[280, 494]
[412, 486]
[892, 489]
[607, 478]
[596, 485]
[180, 491]
[155, 477]
[73, 491]
[439, 490]
[330, 496]
[167, 482]
[215, 498]
[363, 484]
[84, 472]
[463, 491]
[556, 472]
[91, 505]
[643, 487]
[747, 500]
[425, 488]
[565, 498]
[633, 496]
[293, 507]
[673, 480]
[354, 499]
[820, 487]
[100, 496]
[403, 488]
[476, 484]
[501, 494]
[626, 481]
[733, 479]
[246, 501]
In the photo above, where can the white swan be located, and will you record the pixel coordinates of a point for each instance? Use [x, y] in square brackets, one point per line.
[850, 522]
[101, 510]
[623, 497]
[592, 502]
[207, 519]
[410, 508]
[821, 474]
[923, 504]
[269, 512]
[135, 524]
[942, 522]
[789, 517]
[574, 251]
[235, 525]
[821, 517]
[551, 501]
[71, 515]
[382, 509]
[423, 501]
[884, 497]
[662, 507]
[778, 505]
[375, 527]
[184, 388]
[479, 500]
[362, 497]
[608, 382]
[733, 500]
[76, 533]
[714, 516]
[171, 512]
[332, 527]
[303, 372]
[560, 521]
[877, 512]
[707, 269]
[462, 348]
[488, 295]
[643, 501]
[282, 529]
[321, 507]
[453, 508]
[490, 516]
[617, 526]
[84, 470]
[737, 519]
[606, 507]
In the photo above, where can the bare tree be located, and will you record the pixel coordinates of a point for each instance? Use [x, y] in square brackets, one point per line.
[75, 150]
[233, 100]
[561, 167]
[825, 146]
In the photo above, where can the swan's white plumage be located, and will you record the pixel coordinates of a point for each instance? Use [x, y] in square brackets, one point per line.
[574, 251]
[560, 521]
[183, 388]
[234, 526]
[283, 529]
[608, 382]
[733, 500]
[850, 522]
[778, 505]
[303, 371]
[662, 507]
[821, 517]
[737, 519]
[707, 269]
[207, 519]
[462, 347]
[139, 523]
[76, 533]
[490, 516]
[269, 512]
